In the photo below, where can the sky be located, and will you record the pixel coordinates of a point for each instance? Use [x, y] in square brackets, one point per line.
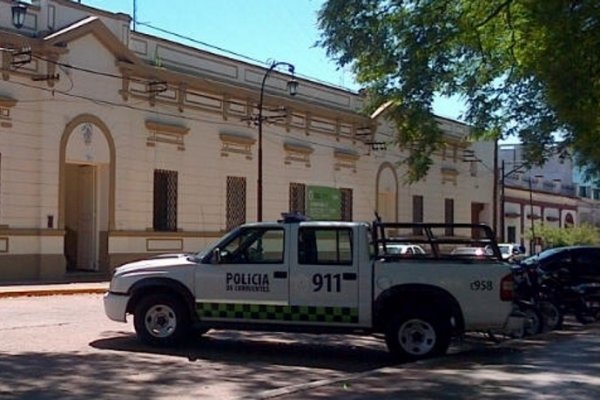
[259, 30]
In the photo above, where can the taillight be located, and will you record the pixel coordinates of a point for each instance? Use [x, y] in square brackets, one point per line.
[507, 288]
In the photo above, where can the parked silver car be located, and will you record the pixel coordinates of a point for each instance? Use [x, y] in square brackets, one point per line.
[512, 251]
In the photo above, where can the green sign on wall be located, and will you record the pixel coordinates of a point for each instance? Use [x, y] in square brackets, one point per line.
[323, 203]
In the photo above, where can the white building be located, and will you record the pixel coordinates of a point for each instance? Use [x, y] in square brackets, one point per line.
[116, 145]
[539, 195]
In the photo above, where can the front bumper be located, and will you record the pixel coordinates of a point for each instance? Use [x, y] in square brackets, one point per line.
[115, 306]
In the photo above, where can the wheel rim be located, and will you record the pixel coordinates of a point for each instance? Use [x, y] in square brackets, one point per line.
[160, 320]
[532, 326]
[551, 315]
[417, 337]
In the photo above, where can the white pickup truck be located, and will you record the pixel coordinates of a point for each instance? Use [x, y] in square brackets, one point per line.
[322, 277]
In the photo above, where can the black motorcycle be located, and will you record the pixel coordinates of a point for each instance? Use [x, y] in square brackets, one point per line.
[541, 310]
[580, 299]
[526, 302]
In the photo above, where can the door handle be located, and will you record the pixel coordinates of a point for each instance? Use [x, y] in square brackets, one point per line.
[349, 276]
[280, 274]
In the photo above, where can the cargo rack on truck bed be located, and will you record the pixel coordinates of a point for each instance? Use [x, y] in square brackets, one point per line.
[437, 240]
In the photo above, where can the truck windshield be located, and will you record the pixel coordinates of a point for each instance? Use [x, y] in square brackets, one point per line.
[207, 250]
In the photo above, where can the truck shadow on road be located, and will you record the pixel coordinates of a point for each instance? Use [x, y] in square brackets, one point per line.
[341, 353]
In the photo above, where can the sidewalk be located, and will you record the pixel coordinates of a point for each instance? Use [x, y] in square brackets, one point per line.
[53, 289]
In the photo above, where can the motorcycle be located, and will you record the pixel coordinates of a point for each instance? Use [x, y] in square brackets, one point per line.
[526, 302]
[539, 305]
[582, 299]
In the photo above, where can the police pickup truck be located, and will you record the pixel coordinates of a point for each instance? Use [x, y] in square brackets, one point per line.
[323, 277]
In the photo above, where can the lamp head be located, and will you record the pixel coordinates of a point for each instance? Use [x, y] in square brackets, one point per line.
[19, 11]
[292, 87]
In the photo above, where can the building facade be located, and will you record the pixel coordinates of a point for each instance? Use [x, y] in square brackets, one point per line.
[116, 145]
[540, 195]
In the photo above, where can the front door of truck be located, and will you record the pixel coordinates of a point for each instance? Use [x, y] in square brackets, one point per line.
[246, 278]
[324, 282]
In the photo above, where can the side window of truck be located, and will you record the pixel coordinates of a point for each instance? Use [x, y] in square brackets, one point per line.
[255, 246]
[328, 246]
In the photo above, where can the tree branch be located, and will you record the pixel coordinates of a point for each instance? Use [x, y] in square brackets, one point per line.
[494, 13]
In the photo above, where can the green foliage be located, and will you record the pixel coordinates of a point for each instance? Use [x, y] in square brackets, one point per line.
[527, 68]
[584, 234]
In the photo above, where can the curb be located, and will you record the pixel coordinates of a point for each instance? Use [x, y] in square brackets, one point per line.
[51, 292]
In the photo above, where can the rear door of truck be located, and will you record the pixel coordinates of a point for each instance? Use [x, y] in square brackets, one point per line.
[324, 278]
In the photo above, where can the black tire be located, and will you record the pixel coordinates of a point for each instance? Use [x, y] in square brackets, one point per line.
[533, 321]
[552, 315]
[417, 334]
[161, 320]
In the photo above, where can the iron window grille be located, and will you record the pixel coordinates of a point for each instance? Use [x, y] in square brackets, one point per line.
[236, 201]
[346, 204]
[297, 195]
[165, 201]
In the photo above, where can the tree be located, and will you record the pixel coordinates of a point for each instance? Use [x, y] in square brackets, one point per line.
[584, 234]
[525, 68]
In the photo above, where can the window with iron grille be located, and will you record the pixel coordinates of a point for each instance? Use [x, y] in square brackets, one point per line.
[346, 204]
[236, 201]
[449, 215]
[297, 200]
[417, 211]
[165, 200]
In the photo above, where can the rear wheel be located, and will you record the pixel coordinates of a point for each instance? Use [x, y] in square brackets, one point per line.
[417, 334]
[161, 320]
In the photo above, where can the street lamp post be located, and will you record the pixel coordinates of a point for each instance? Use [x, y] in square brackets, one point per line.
[503, 175]
[292, 86]
[531, 214]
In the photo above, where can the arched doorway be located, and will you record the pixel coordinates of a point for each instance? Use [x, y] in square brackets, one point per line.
[387, 192]
[86, 193]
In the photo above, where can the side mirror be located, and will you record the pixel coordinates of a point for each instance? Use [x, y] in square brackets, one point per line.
[216, 256]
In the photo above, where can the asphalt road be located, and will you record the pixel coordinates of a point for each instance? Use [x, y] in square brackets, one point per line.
[63, 347]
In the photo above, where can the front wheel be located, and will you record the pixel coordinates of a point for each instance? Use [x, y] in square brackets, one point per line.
[417, 335]
[161, 320]
[552, 315]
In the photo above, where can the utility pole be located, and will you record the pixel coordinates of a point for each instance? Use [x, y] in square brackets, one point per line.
[495, 194]
[134, 15]
[502, 207]
[532, 241]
